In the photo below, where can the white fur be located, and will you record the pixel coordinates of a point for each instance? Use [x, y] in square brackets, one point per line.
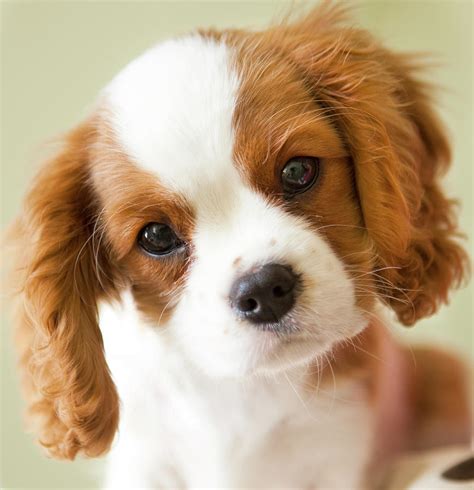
[172, 110]
[182, 429]
[208, 400]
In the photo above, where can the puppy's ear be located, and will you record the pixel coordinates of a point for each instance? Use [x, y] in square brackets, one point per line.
[61, 273]
[410, 219]
[399, 150]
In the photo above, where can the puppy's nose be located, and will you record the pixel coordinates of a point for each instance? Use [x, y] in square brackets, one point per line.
[266, 295]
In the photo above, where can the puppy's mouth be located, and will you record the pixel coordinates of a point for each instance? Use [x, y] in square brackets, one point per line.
[286, 342]
[282, 351]
[285, 329]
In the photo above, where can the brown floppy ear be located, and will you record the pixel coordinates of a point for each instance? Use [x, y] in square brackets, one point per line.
[410, 219]
[399, 151]
[61, 273]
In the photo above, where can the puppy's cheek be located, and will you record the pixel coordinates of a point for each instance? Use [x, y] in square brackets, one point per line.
[205, 326]
[327, 310]
[211, 338]
[329, 300]
[366, 294]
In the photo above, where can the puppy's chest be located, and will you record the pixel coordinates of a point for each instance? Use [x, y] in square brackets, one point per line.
[261, 433]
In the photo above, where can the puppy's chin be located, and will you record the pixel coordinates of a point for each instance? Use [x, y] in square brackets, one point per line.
[245, 351]
[294, 351]
[299, 344]
[290, 352]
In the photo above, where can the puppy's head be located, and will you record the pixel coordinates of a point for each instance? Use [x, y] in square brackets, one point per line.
[257, 193]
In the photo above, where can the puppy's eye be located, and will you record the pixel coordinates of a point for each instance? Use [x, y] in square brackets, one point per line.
[299, 174]
[158, 239]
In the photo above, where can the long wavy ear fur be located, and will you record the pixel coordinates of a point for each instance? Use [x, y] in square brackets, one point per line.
[399, 149]
[60, 274]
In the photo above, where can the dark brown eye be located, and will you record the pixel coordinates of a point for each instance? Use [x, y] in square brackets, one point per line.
[299, 174]
[158, 239]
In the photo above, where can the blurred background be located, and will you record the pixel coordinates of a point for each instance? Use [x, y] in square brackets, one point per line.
[55, 58]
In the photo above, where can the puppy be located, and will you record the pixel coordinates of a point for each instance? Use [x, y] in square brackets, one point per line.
[203, 269]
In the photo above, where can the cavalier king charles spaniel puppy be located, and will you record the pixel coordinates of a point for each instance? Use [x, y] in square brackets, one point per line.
[204, 270]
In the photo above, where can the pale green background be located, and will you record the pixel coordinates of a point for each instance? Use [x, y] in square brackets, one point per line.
[57, 55]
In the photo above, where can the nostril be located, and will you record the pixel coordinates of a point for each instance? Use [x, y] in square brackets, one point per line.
[278, 292]
[264, 295]
[247, 304]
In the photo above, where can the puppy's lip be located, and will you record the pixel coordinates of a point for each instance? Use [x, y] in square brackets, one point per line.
[281, 329]
[290, 340]
[281, 353]
[299, 338]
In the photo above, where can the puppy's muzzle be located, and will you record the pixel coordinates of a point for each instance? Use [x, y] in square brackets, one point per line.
[266, 295]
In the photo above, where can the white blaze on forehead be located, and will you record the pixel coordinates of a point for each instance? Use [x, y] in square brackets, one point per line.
[172, 111]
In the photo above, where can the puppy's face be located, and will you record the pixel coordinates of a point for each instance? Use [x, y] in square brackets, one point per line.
[239, 226]
[256, 193]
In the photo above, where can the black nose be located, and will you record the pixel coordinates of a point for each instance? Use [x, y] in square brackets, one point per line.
[266, 295]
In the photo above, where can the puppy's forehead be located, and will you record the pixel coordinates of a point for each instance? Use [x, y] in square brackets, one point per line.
[172, 111]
